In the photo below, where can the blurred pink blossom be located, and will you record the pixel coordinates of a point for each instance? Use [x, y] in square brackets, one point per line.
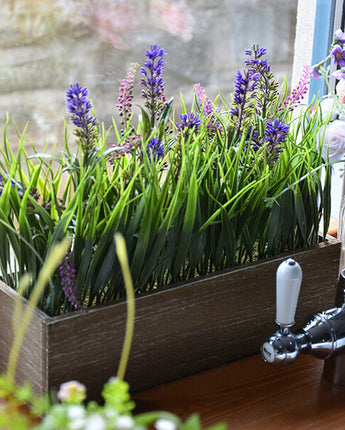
[110, 18]
[174, 17]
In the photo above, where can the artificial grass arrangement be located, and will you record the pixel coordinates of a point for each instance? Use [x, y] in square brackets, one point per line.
[230, 181]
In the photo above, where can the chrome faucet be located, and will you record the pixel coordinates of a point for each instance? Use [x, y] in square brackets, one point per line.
[323, 336]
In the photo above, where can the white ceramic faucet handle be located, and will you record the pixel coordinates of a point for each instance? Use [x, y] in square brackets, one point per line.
[289, 279]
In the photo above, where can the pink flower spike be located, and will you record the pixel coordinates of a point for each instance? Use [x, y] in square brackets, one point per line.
[301, 90]
[126, 93]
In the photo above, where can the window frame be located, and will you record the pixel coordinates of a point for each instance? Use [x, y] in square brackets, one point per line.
[329, 16]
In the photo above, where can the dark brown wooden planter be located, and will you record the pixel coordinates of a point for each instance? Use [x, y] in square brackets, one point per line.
[178, 331]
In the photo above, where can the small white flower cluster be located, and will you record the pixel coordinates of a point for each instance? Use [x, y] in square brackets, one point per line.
[73, 414]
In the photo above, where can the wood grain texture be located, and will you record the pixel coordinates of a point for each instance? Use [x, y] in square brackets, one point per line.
[249, 394]
[179, 331]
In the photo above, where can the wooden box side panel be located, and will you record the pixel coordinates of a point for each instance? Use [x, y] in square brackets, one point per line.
[86, 347]
[186, 329]
[31, 363]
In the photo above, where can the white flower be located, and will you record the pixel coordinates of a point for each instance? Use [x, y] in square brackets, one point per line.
[78, 424]
[327, 106]
[95, 422]
[165, 424]
[333, 140]
[124, 422]
[76, 412]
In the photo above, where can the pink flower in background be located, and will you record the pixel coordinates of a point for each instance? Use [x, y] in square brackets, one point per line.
[112, 18]
[333, 140]
[340, 89]
[109, 18]
[174, 17]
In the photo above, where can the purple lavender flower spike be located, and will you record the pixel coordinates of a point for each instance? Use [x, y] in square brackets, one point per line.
[275, 136]
[189, 121]
[152, 81]
[79, 106]
[155, 149]
[338, 55]
[243, 84]
[245, 88]
[68, 275]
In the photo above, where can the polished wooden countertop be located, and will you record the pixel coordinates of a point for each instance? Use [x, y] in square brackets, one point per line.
[250, 394]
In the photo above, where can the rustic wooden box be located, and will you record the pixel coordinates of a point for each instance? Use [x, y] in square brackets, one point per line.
[178, 331]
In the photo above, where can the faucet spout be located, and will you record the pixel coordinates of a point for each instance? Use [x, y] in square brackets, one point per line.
[322, 336]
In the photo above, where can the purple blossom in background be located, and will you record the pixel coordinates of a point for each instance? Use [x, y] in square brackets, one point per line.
[339, 36]
[207, 108]
[152, 81]
[18, 185]
[68, 277]
[301, 90]
[126, 94]
[155, 149]
[339, 74]
[79, 106]
[189, 121]
[315, 73]
[338, 55]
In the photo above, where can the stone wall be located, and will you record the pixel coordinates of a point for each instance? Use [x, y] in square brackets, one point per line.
[46, 45]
